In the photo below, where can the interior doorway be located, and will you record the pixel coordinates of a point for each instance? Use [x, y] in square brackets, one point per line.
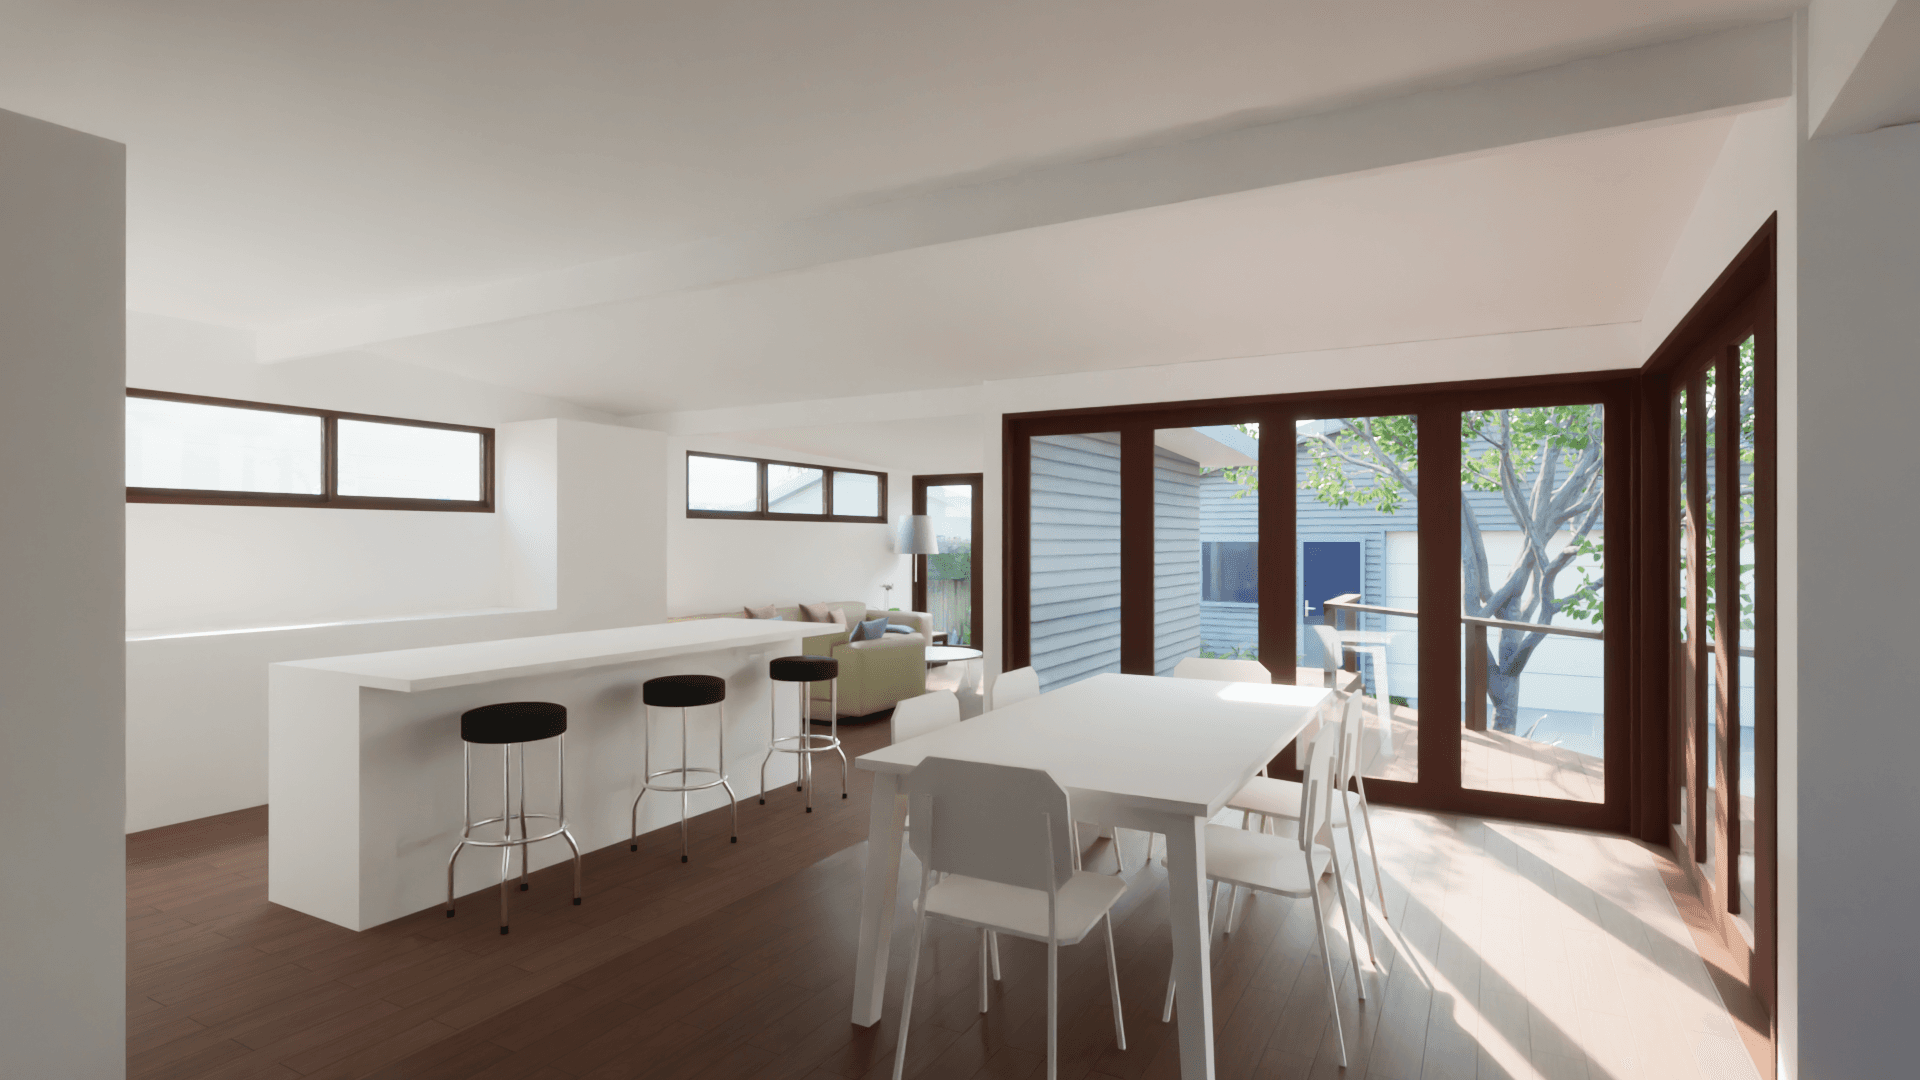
[946, 585]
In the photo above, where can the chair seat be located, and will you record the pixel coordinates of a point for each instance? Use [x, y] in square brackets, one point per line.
[1009, 909]
[683, 691]
[513, 722]
[1261, 861]
[803, 669]
[1266, 795]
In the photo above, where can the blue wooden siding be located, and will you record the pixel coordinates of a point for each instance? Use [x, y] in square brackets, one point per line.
[1075, 623]
[1176, 559]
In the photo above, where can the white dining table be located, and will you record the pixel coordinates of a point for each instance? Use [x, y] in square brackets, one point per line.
[1155, 754]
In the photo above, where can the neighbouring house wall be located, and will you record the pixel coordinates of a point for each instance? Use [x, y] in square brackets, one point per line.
[1076, 557]
[582, 543]
[1177, 625]
[62, 770]
[717, 565]
[1859, 277]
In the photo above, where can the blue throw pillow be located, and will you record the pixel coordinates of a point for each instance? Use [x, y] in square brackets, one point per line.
[870, 630]
[896, 628]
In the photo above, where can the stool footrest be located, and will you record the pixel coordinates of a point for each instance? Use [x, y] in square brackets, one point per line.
[719, 778]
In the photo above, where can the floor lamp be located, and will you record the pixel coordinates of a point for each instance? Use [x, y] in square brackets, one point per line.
[916, 538]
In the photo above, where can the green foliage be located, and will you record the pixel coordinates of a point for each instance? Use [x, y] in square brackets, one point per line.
[953, 565]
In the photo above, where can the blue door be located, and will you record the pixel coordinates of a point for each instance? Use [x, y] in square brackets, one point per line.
[1327, 569]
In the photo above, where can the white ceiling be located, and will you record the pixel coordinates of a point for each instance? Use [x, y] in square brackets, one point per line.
[1571, 232]
[291, 159]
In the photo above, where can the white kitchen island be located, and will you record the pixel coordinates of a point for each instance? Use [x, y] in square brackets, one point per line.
[363, 754]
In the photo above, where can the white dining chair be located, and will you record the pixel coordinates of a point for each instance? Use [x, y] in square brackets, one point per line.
[1016, 685]
[916, 716]
[1002, 840]
[1288, 864]
[1219, 670]
[1277, 802]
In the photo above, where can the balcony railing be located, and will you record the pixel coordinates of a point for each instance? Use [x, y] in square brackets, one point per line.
[1476, 645]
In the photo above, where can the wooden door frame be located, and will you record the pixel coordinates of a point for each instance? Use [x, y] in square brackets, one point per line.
[1742, 300]
[1437, 405]
[978, 481]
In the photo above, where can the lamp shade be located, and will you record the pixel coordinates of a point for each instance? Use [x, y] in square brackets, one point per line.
[916, 536]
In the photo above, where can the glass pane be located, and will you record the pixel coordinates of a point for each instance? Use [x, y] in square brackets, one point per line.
[177, 444]
[722, 484]
[1206, 545]
[1074, 585]
[1708, 530]
[397, 461]
[1683, 667]
[856, 494]
[1532, 533]
[1748, 460]
[1358, 529]
[950, 573]
[794, 490]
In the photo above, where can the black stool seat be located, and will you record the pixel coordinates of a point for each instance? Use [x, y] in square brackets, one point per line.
[513, 722]
[684, 691]
[803, 669]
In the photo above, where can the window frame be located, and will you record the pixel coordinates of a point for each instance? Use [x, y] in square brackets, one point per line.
[761, 513]
[329, 496]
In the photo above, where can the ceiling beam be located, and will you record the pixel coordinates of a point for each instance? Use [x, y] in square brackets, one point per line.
[1864, 66]
[1722, 72]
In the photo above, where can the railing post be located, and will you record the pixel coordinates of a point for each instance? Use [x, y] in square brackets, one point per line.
[1476, 688]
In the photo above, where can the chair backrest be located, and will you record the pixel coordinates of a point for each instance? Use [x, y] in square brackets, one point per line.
[994, 822]
[916, 716]
[1352, 724]
[1331, 652]
[1016, 685]
[1207, 667]
[1316, 786]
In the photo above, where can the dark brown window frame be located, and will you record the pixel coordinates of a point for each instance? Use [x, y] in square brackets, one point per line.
[329, 496]
[978, 482]
[760, 495]
[1438, 787]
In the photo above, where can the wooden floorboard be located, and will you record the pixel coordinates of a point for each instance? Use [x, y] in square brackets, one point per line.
[1508, 951]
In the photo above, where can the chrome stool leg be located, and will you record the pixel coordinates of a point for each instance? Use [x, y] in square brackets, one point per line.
[512, 815]
[686, 786]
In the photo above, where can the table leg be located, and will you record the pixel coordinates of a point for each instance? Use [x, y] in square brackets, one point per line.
[1192, 971]
[886, 820]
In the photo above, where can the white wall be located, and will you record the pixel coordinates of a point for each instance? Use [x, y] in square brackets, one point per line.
[230, 567]
[581, 537]
[63, 895]
[718, 565]
[1859, 739]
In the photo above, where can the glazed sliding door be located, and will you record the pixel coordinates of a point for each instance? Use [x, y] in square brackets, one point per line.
[1721, 502]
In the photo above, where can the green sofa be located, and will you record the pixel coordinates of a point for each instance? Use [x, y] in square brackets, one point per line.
[874, 675]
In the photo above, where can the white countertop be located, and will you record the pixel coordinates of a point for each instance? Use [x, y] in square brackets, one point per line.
[441, 666]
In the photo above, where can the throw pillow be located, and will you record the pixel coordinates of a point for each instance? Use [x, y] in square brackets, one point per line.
[870, 630]
[767, 612]
[896, 628]
[817, 612]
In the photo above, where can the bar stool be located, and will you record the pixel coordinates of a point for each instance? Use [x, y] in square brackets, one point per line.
[512, 725]
[805, 671]
[683, 692]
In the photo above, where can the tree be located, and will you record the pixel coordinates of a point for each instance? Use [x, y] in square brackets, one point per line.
[1545, 464]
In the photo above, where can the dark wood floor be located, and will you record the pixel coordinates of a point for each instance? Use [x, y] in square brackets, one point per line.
[739, 964]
